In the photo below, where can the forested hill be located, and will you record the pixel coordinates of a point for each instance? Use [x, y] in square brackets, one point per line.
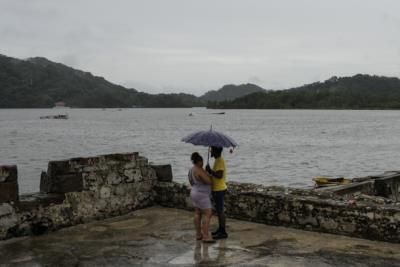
[39, 83]
[356, 92]
[230, 92]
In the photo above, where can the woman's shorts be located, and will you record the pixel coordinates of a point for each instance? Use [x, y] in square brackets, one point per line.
[200, 200]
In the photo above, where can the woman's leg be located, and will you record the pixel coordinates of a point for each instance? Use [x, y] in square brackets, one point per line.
[206, 223]
[197, 222]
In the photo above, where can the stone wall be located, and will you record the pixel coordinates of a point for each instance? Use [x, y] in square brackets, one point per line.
[79, 190]
[303, 209]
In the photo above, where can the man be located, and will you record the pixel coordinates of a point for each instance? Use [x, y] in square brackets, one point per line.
[218, 175]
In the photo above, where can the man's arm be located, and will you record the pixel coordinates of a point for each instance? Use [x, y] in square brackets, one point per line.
[217, 174]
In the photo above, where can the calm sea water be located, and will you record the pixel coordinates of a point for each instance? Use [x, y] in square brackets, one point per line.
[277, 147]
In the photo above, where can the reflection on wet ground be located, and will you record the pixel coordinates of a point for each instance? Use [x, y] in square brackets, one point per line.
[165, 237]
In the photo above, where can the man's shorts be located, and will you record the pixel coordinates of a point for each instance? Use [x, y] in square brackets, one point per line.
[218, 197]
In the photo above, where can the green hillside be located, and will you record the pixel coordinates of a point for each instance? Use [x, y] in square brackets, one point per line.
[39, 83]
[231, 92]
[356, 92]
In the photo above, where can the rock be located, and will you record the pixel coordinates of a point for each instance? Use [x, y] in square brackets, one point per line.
[114, 178]
[284, 217]
[130, 175]
[308, 221]
[6, 210]
[105, 192]
[328, 224]
[348, 227]
[133, 175]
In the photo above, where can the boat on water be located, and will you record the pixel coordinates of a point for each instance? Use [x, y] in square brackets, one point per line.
[55, 117]
[60, 105]
[321, 181]
[191, 114]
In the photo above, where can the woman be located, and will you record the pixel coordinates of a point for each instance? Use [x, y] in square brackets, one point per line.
[200, 195]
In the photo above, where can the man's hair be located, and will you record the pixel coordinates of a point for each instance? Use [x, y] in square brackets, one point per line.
[217, 150]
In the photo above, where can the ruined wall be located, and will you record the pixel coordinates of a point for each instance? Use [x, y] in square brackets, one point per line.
[84, 189]
[80, 190]
[303, 209]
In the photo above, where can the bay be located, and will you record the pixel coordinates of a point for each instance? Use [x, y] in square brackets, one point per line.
[277, 147]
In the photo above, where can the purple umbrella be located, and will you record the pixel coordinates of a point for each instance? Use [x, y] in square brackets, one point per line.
[210, 138]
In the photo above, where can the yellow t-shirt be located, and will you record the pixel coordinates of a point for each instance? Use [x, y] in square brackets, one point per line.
[219, 184]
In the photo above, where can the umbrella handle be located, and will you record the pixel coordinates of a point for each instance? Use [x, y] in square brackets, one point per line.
[208, 155]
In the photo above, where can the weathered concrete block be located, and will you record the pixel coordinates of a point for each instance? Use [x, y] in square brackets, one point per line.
[8, 183]
[61, 183]
[58, 168]
[8, 173]
[8, 192]
[44, 182]
[120, 157]
[163, 172]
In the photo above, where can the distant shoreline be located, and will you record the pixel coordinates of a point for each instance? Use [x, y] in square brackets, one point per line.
[189, 108]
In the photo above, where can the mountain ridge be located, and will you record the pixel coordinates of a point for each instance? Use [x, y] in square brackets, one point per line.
[361, 91]
[38, 82]
[231, 92]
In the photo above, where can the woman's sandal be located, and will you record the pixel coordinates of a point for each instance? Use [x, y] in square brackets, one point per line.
[209, 241]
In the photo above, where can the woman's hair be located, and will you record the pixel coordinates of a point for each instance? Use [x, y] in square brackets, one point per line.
[196, 157]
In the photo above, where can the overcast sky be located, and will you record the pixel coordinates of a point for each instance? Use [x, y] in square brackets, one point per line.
[195, 46]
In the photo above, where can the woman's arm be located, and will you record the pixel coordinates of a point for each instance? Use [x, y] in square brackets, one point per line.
[203, 175]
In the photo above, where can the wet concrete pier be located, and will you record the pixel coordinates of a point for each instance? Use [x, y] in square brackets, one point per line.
[160, 237]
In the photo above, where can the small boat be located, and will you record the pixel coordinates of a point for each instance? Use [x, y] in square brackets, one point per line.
[321, 181]
[55, 117]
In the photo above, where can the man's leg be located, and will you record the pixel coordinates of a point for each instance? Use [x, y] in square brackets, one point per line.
[219, 206]
[214, 197]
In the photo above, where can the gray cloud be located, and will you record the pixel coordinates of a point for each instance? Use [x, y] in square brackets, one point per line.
[194, 46]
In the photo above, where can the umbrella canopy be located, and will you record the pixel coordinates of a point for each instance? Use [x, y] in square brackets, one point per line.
[210, 138]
